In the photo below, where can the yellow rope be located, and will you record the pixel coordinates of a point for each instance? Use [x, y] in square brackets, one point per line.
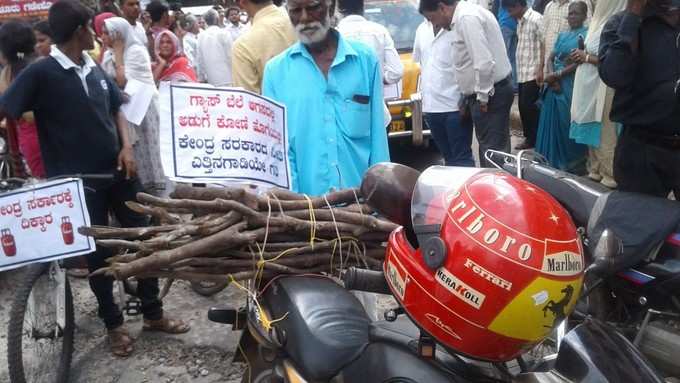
[264, 319]
[259, 273]
[361, 210]
[312, 219]
[337, 232]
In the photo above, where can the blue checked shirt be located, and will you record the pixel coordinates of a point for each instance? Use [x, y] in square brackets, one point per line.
[336, 129]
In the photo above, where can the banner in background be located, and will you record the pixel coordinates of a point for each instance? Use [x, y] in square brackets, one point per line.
[11, 9]
[222, 134]
[40, 223]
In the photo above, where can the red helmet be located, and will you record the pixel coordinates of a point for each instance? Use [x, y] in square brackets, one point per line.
[499, 263]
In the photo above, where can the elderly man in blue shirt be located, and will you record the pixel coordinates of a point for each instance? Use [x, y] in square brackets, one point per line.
[332, 89]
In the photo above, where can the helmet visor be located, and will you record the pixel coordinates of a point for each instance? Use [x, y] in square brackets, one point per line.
[434, 190]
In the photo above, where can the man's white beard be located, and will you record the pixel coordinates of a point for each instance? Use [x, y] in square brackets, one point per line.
[317, 32]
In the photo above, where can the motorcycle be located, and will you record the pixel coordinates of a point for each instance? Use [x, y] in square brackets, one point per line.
[637, 289]
[312, 329]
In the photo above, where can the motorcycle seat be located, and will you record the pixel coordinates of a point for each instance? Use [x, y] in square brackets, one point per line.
[667, 262]
[324, 327]
[576, 194]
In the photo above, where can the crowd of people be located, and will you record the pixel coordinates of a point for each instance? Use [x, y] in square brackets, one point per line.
[586, 74]
[576, 97]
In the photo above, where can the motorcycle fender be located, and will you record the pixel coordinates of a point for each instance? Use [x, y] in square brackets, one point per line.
[596, 352]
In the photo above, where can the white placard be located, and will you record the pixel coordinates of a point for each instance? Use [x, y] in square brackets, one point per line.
[222, 134]
[40, 223]
[141, 95]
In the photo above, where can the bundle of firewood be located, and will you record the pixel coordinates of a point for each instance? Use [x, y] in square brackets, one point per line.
[226, 234]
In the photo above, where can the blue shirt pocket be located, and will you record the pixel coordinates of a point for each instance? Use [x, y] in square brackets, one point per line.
[356, 119]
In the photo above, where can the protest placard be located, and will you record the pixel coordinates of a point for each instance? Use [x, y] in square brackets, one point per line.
[40, 223]
[15, 9]
[222, 134]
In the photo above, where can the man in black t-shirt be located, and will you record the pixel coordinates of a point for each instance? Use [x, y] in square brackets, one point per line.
[82, 130]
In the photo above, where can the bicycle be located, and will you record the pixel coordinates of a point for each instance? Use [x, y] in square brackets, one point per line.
[42, 322]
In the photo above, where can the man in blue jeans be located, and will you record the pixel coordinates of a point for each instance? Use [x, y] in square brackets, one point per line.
[441, 95]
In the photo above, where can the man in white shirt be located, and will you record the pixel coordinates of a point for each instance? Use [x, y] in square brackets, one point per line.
[213, 58]
[483, 70]
[190, 40]
[354, 26]
[233, 24]
[131, 11]
[441, 96]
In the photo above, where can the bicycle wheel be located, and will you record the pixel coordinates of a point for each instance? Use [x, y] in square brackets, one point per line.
[40, 341]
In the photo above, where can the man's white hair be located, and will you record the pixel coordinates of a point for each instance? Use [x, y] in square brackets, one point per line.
[211, 17]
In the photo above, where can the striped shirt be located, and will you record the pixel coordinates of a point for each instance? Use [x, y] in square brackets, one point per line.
[529, 35]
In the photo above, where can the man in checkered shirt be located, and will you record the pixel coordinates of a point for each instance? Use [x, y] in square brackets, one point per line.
[528, 58]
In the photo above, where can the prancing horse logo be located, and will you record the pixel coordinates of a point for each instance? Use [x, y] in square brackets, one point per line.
[557, 308]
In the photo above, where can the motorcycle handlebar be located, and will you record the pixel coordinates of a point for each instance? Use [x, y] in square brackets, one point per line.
[366, 280]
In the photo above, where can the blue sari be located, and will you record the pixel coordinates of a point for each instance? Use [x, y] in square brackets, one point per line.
[553, 140]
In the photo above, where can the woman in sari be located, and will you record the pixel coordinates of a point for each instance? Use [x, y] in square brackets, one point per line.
[592, 102]
[128, 59]
[171, 64]
[17, 47]
[553, 140]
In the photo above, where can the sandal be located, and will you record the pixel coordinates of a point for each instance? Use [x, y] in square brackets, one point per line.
[166, 325]
[120, 342]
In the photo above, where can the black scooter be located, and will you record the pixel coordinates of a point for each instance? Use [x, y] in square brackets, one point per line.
[322, 334]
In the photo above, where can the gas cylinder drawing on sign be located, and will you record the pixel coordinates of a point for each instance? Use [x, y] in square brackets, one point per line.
[67, 230]
[9, 247]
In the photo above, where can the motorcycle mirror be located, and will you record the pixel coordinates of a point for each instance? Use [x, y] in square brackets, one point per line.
[388, 188]
[609, 246]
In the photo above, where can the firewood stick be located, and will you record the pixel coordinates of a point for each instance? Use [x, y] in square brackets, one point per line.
[256, 218]
[196, 277]
[160, 213]
[232, 237]
[333, 198]
[105, 232]
[284, 195]
[290, 202]
[203, 229]
[209, 194]
[345, 217]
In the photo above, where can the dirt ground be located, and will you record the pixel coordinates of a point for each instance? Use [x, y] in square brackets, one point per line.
[204, 355]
